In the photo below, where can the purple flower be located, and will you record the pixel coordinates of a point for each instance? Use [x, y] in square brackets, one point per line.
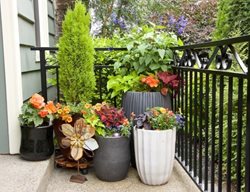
[114, 18]
[122, 24]
[171, 20]
[182, 21]
[180, 120]
[181, 24]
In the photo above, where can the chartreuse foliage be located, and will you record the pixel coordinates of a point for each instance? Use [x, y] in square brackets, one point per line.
[121, 84]
[76, 56]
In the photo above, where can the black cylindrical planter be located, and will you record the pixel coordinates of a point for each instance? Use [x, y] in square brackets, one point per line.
[112, 158]
[138, 102]
[36, 143]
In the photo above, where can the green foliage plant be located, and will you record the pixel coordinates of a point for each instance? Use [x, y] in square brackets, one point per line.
[148, 51]
[36, 112]
[76, 56]
[121, 84]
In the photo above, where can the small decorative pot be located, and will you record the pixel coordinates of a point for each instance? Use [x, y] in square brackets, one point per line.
[154, 154]
[112, 158]
[138, 102]
[36, 143]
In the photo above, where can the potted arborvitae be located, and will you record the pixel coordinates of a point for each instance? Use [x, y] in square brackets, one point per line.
[76, 56]
[154, 143]
[112, 158]
[76, 61]
[36, 129]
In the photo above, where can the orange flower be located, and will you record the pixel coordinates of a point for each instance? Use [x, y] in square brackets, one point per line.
[125, 122]
[37, 101]
[69, 119]
[83, 112]
[58, 105]
[151, 80]
[50, 107]
[170, 113]
[43, 113]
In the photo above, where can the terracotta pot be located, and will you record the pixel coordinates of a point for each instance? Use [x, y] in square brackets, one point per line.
[36, 143]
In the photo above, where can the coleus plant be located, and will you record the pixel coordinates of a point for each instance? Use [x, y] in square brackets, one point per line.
[163, 81]
[114, 120]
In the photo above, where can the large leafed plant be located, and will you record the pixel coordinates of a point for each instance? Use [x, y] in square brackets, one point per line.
[76, 56]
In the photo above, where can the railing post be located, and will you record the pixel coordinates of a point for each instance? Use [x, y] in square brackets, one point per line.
[248, 127]
[43, 74]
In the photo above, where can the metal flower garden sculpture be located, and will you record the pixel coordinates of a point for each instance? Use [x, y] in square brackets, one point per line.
[78, 138]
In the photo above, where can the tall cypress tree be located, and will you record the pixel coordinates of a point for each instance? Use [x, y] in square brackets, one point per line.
[76, 56]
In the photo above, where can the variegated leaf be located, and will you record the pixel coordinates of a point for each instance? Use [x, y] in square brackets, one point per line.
[91, 144]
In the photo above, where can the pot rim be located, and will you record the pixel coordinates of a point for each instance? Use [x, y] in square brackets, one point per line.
[38, 127]
[154, 131]
[111, 137]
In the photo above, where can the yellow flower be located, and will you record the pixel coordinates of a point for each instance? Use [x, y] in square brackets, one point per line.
[87, 105]
[59, 111]
[66, 109]
[163, 110]
[98, 106]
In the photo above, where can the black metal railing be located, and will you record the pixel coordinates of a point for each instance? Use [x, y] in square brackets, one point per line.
[214, 96]
[101, 72]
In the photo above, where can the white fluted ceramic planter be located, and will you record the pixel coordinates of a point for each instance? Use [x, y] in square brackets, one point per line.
[154, 154]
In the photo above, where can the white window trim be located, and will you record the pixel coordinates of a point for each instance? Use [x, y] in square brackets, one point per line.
[43, 25]
[13, 78]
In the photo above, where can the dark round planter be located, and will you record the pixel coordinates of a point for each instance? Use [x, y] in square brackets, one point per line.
[36, 143]
[138, 102]
[57, 123]
[112, 158]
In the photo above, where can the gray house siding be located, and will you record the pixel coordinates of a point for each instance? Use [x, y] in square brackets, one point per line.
[31, 81]
[4, 142]
[27, 35]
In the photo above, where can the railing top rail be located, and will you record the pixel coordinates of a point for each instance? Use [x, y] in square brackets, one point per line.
[230, 41]
[97, 49]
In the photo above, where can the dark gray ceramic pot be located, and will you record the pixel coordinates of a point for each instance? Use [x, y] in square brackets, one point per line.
[138, 102]
[112, 158]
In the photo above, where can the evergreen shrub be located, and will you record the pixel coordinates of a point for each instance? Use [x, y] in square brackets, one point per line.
[76, 56]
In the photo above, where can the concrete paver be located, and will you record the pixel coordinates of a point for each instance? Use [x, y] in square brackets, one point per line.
[179, 182]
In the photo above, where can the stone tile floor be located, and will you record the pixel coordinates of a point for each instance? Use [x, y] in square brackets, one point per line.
[18, 175]
[179, 182]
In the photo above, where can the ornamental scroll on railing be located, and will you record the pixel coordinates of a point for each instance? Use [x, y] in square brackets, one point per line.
[214, 96]
[205, 54]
